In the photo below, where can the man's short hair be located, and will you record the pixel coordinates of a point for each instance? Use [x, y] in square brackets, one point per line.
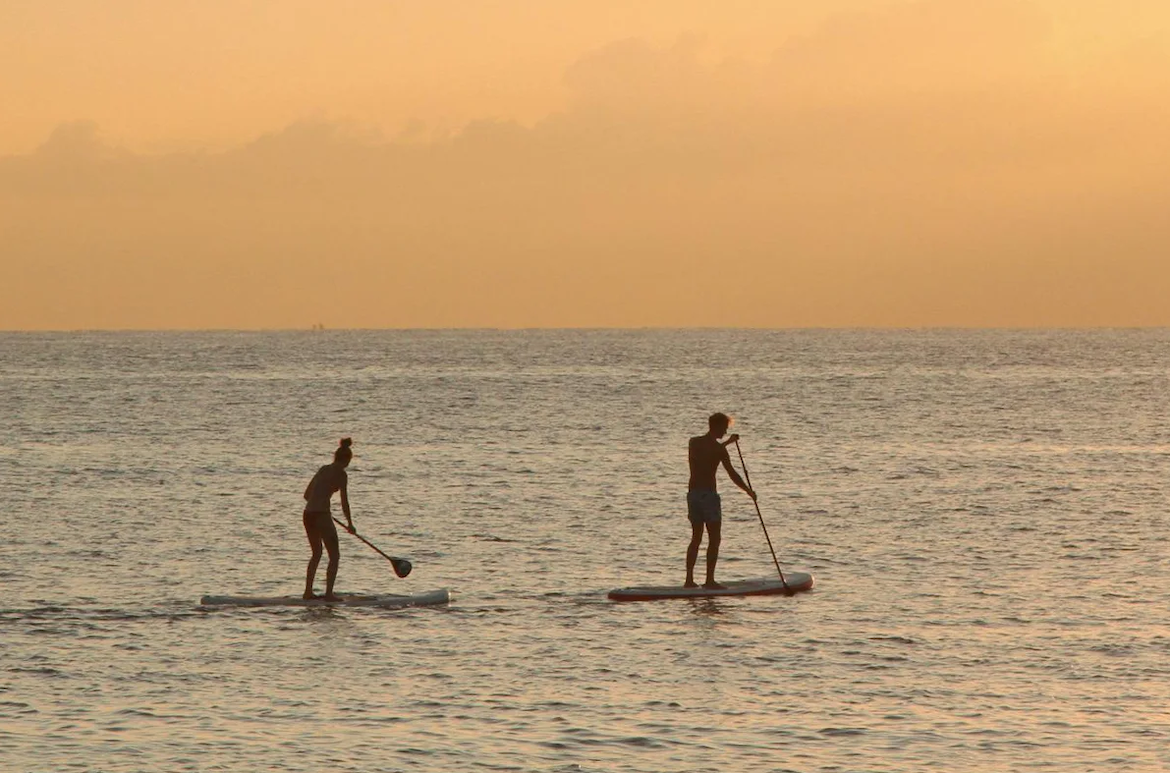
[717, 420]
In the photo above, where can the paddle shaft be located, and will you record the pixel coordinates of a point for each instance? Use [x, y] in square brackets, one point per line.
[401, 565]
[748, 479]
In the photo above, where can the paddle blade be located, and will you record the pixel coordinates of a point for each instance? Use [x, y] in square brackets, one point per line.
[402, 567]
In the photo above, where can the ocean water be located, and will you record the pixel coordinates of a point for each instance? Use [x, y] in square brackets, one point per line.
[985, 513]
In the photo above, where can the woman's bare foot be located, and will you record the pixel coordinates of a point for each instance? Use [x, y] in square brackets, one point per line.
[332, 597]
[690, 584]
[712, 585]
[309, 596]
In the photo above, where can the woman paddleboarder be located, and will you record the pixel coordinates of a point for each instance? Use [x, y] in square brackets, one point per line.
[319, 521]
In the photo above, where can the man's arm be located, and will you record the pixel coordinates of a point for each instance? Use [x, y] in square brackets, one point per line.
[731, 473]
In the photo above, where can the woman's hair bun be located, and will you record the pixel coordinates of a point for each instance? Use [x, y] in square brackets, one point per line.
[346, 442]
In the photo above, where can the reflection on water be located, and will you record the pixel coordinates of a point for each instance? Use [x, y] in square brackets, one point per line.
[705, 607]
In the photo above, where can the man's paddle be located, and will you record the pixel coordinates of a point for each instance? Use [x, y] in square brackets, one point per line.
[748, 478]
[401, 566]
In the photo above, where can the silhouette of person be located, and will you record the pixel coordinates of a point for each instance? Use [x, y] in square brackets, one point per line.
[704, 509]
[319, 521]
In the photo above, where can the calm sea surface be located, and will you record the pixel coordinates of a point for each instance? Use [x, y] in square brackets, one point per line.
[986, 514]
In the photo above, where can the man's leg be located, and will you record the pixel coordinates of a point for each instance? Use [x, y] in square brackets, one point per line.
[714, 532]
[693, 553]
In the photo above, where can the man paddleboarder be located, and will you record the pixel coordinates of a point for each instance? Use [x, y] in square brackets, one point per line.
[704, 454]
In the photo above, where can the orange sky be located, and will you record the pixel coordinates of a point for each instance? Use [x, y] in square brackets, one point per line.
[368, 163]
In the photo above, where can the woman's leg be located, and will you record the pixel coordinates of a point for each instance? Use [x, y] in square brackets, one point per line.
[331, 545]
[315, 559]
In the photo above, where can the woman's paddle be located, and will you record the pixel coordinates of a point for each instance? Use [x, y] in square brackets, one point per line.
[748, 479]
[401, 566]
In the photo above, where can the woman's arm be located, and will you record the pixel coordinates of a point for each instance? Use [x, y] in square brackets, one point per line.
[345, 502]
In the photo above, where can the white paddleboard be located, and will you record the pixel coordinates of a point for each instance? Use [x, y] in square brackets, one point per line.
[764, 586]
[430, 598]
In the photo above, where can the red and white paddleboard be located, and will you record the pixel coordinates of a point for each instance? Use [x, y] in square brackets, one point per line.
[765, 586]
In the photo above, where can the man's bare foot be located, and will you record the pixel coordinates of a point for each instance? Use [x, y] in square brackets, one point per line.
[690, 584]
[309, 596]
[712, 585]
[332, 597]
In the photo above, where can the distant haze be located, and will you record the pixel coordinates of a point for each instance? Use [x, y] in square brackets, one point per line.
[368, 163]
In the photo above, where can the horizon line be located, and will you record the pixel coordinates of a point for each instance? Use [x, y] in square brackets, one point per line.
[586, 328]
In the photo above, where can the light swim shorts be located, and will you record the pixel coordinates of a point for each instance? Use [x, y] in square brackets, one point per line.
[704, 507]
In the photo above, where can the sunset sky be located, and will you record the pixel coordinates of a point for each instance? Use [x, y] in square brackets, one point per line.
[527, 163]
